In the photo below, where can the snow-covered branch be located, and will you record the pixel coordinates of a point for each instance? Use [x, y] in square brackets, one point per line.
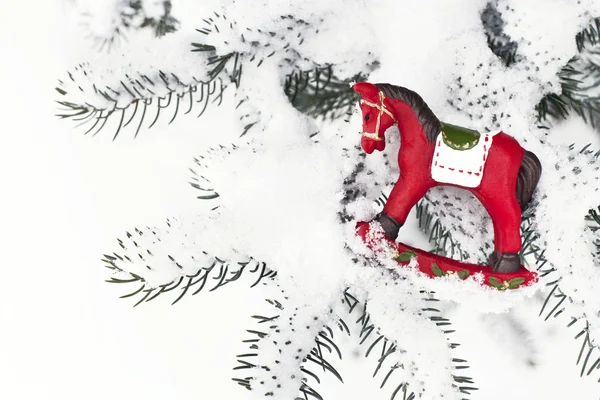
[125, 89]
[157, 260]
[109, 21]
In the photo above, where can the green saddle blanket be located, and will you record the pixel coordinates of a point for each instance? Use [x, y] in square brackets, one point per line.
[459, 138]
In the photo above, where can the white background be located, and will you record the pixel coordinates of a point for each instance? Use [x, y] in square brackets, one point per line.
[64, 198]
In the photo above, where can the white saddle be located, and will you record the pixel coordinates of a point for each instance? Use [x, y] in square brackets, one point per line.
[461, 167]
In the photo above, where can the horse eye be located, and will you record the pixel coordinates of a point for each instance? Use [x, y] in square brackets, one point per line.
[367, 117]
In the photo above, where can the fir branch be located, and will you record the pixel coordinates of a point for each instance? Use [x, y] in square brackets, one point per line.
[500, 43]
[382, 348]
[285, 323]
[376, 343]
[316, 93]
[594, 225]
[285, 35]
[129, 15]
[320, 94]
[133, 99]
[366, 329]
[573, 97]
[317, 360]
[145, 262]
[249, 116]
[554, 305]
[209, 277]
[579, 79]
[589, 36]
[200, 182]
[202, 169]
[220, 62]
[162, 25]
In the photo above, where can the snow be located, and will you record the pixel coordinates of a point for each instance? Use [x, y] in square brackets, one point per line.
[280, 195]
[574, 130]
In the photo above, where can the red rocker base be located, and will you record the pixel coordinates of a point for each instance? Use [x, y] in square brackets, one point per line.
[434, 265]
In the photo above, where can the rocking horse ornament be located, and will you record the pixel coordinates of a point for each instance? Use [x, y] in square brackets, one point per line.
[493, 166]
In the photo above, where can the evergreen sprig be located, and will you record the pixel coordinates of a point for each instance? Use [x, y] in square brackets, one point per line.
[219, 62]
[554, 305]
[500, 43]
[376, 343]
[316, 92]
[320, 94]
[589, 36]
[574, 97]
[274, 327]
[593, 219]
[166, 23]
[142, 253]
[249, 116]
[379, 345]
[200, 179]
[353, 320]
[139, 98]
[578, 80]
[131, 16]
[256, 45]
[555, 302]
[439, 236]
[212, 277]
[135, 98]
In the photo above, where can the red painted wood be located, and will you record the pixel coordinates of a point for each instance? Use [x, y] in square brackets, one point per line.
[426, 261]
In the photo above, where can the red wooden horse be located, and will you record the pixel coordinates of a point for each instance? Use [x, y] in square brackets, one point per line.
[493, 166]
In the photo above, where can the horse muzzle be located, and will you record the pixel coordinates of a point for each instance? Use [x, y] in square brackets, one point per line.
[370, 142]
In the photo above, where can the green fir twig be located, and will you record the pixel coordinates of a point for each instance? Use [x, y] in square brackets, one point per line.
[131, 16]
[144, 253]
[573, 97]
[578, 80]
[312, 361]
[593, 219]
[500, 43]
[139, 98]
[320, 94]
[379, 346]
[210, 277]
[589, 36]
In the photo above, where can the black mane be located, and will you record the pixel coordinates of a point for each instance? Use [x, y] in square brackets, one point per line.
[431, 124]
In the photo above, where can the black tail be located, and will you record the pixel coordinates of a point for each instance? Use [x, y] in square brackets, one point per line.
[529, 175]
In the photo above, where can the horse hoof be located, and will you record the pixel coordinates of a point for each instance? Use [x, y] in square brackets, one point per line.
[492, 259]
[506, 263]
[390, 225]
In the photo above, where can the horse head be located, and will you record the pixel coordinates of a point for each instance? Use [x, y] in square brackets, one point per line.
[377, 117]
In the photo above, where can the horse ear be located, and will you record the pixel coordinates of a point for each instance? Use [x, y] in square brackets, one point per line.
[366, 89]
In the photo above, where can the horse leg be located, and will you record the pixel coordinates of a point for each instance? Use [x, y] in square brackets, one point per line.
[405, 194]
[506, 218]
